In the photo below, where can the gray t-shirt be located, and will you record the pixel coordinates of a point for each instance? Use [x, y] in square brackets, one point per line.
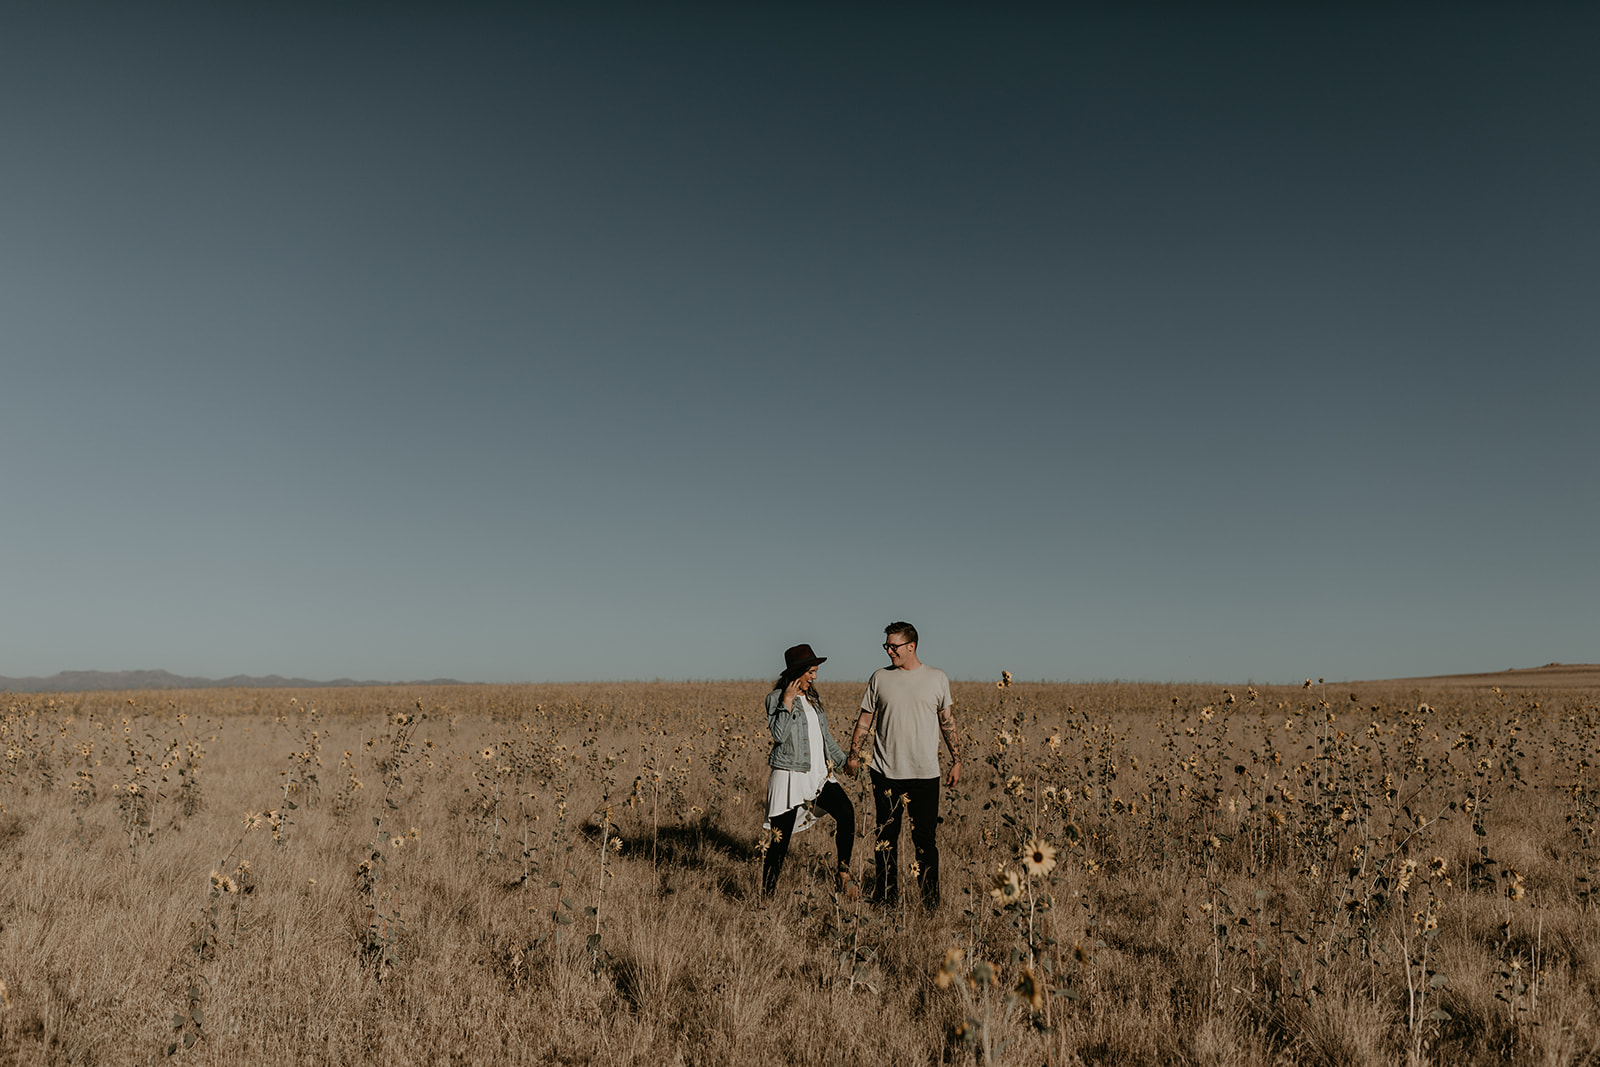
[905, 742]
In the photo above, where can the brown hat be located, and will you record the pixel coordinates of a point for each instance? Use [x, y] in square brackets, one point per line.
[799, 659]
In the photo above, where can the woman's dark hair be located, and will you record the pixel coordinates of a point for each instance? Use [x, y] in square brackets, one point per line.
[810, 691]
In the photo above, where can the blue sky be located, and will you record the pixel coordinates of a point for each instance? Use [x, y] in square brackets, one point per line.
[1165, 342]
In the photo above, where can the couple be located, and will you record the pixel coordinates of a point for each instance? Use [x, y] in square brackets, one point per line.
[911, 702]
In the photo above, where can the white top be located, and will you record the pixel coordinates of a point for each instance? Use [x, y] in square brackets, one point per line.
[790, 789]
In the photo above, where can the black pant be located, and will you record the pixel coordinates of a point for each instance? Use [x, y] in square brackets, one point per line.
[893, 797]
[832, 800]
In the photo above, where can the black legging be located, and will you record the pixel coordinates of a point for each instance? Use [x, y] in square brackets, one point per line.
[832, 800]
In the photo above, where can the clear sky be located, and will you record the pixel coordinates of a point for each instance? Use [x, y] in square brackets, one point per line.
[1164, 342]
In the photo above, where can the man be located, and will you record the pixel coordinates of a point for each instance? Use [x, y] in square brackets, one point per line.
[911, 702]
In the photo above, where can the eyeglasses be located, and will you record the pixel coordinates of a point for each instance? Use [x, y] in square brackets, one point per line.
[887, 647]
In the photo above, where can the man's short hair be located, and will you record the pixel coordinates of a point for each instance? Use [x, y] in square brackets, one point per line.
[905, 628]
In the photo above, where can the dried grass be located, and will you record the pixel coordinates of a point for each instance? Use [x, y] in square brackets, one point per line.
[1228, 884]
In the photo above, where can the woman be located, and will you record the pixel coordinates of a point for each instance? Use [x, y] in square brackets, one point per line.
[802, 752]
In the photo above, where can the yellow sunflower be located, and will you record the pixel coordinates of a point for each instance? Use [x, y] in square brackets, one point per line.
[1039, 858]
[1007, 889]
[1029, 990]
[947, 970]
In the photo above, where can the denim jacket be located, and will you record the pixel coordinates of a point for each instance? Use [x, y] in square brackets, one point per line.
[791, 744]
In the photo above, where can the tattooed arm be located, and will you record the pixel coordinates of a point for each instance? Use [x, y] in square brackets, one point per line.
[863, 725]
[952, 741]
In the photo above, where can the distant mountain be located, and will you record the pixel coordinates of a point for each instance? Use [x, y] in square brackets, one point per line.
[1551, 676]
[84, 681]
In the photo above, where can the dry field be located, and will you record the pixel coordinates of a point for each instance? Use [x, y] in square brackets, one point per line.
[567, 874]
